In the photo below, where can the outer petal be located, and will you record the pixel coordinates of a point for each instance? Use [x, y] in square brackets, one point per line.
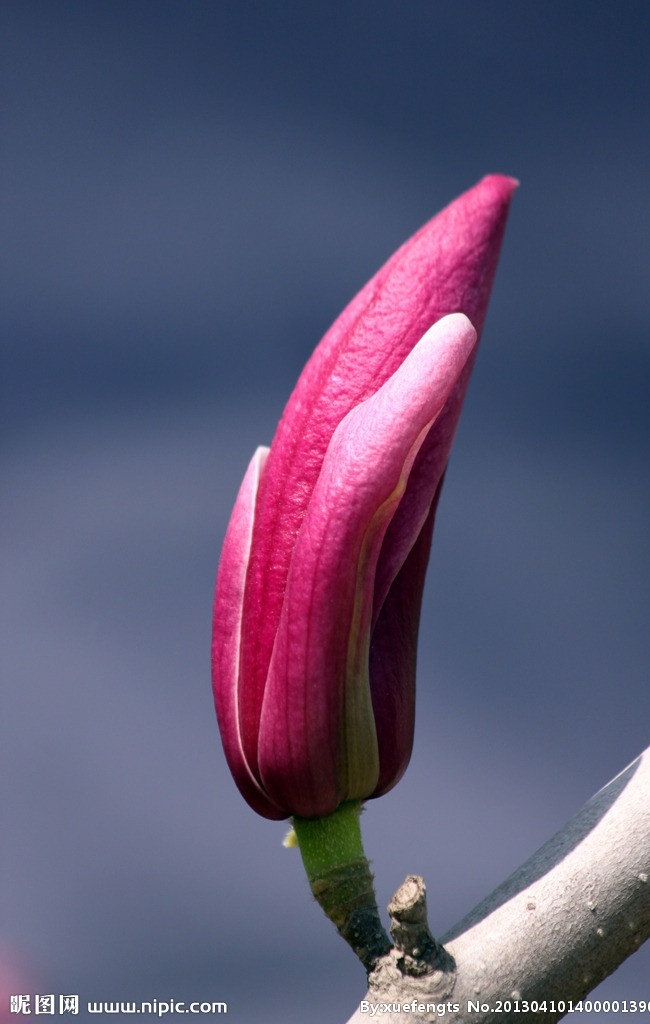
[226, 637]
[317, 741]
[447, 266]
[393, 658]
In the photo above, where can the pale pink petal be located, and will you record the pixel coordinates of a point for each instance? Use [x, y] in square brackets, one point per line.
[317, 743]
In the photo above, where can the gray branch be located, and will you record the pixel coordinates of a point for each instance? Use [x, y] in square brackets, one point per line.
[551, 932]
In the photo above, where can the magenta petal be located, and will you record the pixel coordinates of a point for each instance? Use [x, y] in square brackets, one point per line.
[447, 266]
[320, 582]
[317, 743]
[226, 636]
[393, 657]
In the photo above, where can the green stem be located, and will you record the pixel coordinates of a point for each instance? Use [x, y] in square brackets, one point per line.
[341, 881]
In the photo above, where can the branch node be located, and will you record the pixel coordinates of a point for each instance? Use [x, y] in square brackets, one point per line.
[419, 953]
[417, 968]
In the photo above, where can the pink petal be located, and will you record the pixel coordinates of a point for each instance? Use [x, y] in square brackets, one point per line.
[447, 266]
[226, 636]
[317, 741]
[393, 657]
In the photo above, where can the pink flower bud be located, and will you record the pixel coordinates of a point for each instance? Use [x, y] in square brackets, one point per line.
[321, 576]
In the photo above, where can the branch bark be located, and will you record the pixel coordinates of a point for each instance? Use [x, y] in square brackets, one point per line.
[550, 933]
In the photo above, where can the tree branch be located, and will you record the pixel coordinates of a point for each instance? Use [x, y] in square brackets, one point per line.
[551, 932]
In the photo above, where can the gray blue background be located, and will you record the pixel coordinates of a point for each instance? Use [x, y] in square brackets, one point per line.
[191, 192]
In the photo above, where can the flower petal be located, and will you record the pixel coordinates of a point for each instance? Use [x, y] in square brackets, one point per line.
[226, 637]
[317, 741]
[447, 266]
[393, 658]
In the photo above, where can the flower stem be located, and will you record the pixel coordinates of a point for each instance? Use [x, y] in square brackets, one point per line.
[341, 881]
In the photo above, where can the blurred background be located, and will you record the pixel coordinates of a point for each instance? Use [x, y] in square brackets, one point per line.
[191, 192]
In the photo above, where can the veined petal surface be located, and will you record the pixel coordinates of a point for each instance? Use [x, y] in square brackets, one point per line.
[447, 266]
[317, 743]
